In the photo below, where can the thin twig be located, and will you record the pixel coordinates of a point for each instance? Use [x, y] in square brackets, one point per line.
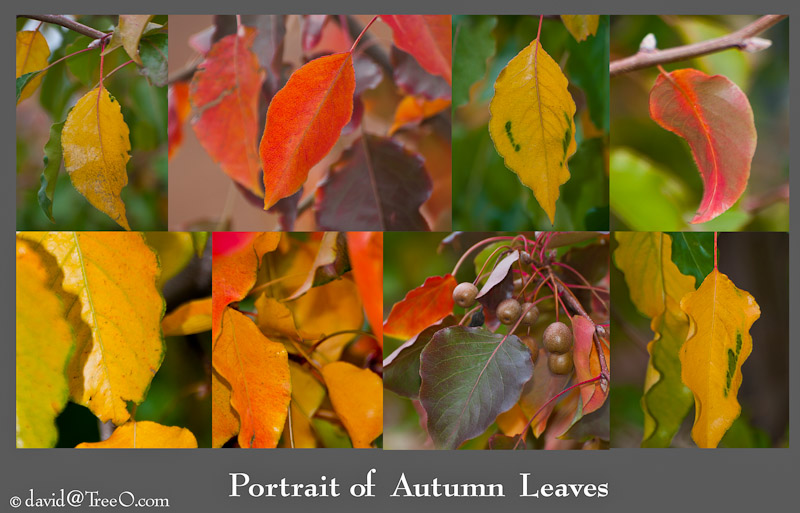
[69, 23]
[738, 39]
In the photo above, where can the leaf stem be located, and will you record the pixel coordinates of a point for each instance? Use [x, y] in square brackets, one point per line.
[741, 39]
[117, 69]
[355, 43]
[716, 250]
[343, 332]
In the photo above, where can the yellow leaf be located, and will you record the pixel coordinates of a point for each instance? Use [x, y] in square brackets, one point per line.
[717, 345]
[115, 310]
[174, 249]
[581, 26]
[145, 435]
[189, 318]
[32, 55]
[44, 345]
[131, 27]
[357, 397]
[224, 422]
[656, 287]
[307, 395]
[95, 144]
[532, 123]
[257, 370]
[513, 421]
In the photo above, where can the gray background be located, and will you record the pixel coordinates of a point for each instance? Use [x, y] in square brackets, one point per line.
[197, 480]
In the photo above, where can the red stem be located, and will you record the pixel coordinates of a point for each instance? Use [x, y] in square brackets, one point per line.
[715, 250]
[355, 43]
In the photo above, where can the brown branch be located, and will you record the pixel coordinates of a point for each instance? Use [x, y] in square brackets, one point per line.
[740, 39]
[69, 23]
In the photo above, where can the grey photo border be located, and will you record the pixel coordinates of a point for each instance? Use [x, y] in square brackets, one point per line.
[199, 480]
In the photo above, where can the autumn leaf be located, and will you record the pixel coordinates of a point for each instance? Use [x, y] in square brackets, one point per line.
[581, 26]
[366, 257]
[422, 307]
[413, 80]
[189, 318]
[32, 54]
[304, 121]
[656, 287]
[357, 397]
[412, 111]
[714, 116]
[42, 352]
[587, 364]
[390, 182]
[469, 377]
[115, 312]
[95, 144]
[224, 420]
[331, 262]
[174, 250]
[716, 347]
[234, 272]
[224, 92]
[497, 288]
[532, 123]
[177, 114]
[257, 370]
[307, 396]
[539, 390]
[129, 32]
[145, 435]
[427, 38]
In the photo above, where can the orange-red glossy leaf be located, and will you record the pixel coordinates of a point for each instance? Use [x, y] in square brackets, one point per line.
[257, 370]
[422, 307]
[177, 114]
[224, 93]
[715, 118]
[146, 435]
[427, 38]
[366, 257]
[234, 272]
[412, 110]
[357, 397]
[587, 364]
[304, 121]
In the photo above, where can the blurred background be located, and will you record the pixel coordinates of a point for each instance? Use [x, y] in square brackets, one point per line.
[144, 108]
[655, 184]
[764, 394]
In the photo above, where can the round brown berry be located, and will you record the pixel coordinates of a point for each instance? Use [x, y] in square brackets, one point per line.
[508, 311]
[560, 363]
[557, 338]
[464, 294]
[530, 314]
[532, 345]
[519, 283]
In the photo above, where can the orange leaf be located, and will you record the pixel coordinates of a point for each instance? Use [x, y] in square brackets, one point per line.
[715, 118]
[422, 307]
[357, 397]
[304, 121]
[412, 110]
[258, 371]
[145, 435]
[189, 318]
[587, 364]
[366, 257]
[234, 273]
[177, 114]
[224, 93]
[427, 38]
[224, 422]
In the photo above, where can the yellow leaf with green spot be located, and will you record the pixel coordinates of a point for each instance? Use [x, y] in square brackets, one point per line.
[43, 349]
[95, 143]
[32, 55]
[532, 123]
[717, 345]
[107, 282]
[145, 435]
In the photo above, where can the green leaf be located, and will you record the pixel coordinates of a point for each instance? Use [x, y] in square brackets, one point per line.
[52, 164]
[473, 46]
[85, 64]
[154, 53]
[693, 253]
[470, 376]
[587, 68]
[57, 90]
[643, 196]
[401, 368]
[23, 81]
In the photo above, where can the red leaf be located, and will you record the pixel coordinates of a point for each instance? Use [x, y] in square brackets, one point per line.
[587, 365]
[715, 118]
[427, 38]
[422, 307]
[366, 257]
[178, 111]
[375, 185]
[224, 93]
[304, 121]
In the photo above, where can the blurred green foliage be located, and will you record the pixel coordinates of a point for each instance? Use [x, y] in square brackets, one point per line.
[487, 195]
[144, 108]
[655, 184]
